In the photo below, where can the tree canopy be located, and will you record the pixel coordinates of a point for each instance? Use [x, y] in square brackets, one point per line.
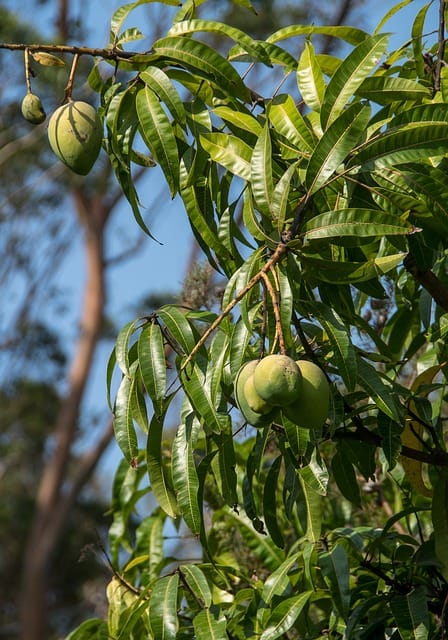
[321, 214]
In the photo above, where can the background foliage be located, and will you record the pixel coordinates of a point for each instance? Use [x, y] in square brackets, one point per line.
[320, 211]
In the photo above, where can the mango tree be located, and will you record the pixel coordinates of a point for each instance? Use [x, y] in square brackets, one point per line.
[316, 494]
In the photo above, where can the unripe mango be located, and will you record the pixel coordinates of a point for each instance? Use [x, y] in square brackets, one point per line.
[75, 133]
[310, 409]
[32, 109]
[252, 417]
[277, 380]
[255, 402]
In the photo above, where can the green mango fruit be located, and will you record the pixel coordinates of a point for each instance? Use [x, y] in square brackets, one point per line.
[252, 417]
[277, 380]
[255, 402]
[32, 109]
[310, 408]
[75, 133]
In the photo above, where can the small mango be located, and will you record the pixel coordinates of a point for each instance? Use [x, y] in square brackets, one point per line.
[32, 109]
[75, 133]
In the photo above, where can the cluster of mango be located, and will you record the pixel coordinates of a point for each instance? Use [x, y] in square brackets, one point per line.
[299, 389]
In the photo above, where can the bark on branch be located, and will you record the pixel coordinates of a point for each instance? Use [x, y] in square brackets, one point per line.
[429, 281]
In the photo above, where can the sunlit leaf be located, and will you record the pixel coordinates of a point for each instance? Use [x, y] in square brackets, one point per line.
[163, 608]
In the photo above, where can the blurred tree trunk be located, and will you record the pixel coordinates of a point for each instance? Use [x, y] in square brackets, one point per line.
[55, 493]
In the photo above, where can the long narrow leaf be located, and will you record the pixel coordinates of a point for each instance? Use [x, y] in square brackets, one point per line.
[159, 476]
[349, 76]
[284, 615]
[158, 134]
[337, 142]
[203, 61]
[185, 480]
[163, 608]
[152, 360]
[124, 429]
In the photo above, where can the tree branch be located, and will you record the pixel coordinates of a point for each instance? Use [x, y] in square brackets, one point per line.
[107, 54]
[428, 280]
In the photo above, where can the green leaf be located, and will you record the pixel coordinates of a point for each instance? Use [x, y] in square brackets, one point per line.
[158, 81]
[205, 62]
[289, 122]
[311, 508]
[349, 76]
[122, 346]
[336, 571]
[381, 392]
[352, 35]
[387, 89]
[158, 134]
[241, 119]
[193, 382]
[346, 223]
[210, 624]
[178, 327]
[344, 355]
[224, 465]
[310, 78]
[152, 361]
[337, 142]
[185, 480]
[261, 172]
[280, 197]
[348, 272]
[270, 503]
[411, 614]
[163, 608]
[413, 135]
[120, 15]
[232, 152]
[254, 48]
[284, 616]
[159, 476]
[197, 583]
[345, 477]
[123, 419]
[94, 629]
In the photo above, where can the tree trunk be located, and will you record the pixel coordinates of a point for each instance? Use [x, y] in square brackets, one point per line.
[53, 501]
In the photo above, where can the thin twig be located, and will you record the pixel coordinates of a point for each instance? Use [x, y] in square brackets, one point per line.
[278, 254]
[276, 307]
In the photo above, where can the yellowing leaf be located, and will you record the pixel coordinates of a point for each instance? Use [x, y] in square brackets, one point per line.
[48, 59]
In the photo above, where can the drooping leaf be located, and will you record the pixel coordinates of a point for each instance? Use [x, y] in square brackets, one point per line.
[210, 624]
[124, 429]
[159, 474]
[284, 615]
[261, 172]
[160, 83]
[232, 152]
[363, 223]
[336, 571]
[158, 134]
[197, 583]
[152, 361]
[203, 61]
[185, 480]
[345, 477]
[163, 608]
[310, 78]
[411, 614]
